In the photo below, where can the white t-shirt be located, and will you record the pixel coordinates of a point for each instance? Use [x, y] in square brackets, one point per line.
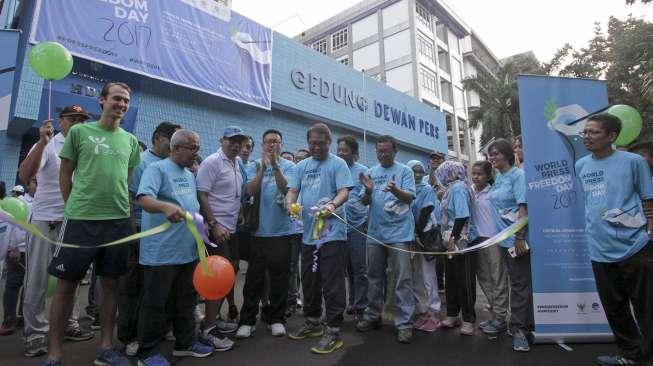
[48, 202]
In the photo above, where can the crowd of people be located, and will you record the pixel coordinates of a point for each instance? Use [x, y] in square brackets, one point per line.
[362, 244]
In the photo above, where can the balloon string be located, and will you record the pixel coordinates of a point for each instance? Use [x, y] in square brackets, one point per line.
[49, 99]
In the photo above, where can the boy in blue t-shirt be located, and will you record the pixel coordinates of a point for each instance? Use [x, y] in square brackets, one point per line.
[618, 220]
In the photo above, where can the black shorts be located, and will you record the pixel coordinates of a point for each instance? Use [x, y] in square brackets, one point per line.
[228, 250]
[71, 264]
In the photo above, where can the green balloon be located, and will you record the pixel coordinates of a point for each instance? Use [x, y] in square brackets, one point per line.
[17, 208]
[51, 60]
[631, 123]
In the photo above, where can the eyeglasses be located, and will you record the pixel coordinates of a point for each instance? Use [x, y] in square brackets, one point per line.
[192, 149]
[592, 133]
[272, 142]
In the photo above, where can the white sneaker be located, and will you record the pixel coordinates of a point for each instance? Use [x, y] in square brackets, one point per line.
[278, 330]
[467, 329]
[245, 331]
[450, 322]
[220, 343]
[131, 349]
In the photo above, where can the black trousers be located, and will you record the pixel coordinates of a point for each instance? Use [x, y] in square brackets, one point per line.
[160, 283]
[130, 293]
[12, 301]
[323, 275]
[521, 291]
[626, 283]
[271, 255]
[460, 290]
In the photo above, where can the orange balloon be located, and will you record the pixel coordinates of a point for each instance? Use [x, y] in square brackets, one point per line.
[218, 285]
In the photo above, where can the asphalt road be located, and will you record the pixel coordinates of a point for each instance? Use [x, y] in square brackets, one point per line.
[442, 348]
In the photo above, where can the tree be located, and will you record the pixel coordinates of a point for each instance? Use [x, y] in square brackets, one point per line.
[498, 113]
[623, 57]
[631, 2]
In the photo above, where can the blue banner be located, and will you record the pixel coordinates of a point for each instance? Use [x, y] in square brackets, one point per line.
[565, 300]
[193, 43]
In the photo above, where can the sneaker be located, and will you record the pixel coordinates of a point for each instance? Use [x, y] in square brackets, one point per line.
[405, 335]
[495, 327]
[49, 362]
[467, 329]
[224, 326]
[131, 349]
[368, 325]
[450, 322]
[519, 342]
[421, 320]
[75, 333]
[329, 342]
[198, 349]
[308, 330]
[617, 361]
[154, 360]
[245, 331]
[111, 357]
[277, 329]
[290, 310]
[430, 325]
[484, 324]
[7, 329]
[35, 346]
[212, 337]
[95, 324]
[233, 313]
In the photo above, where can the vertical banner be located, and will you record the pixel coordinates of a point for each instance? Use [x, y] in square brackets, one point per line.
[197, 44]
[565, 301]
[9, 47]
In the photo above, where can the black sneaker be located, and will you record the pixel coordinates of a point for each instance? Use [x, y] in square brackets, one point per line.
[75, 333]
[405, 335]
[309, 329]
[329, 342]
[35, 346]
[368, 325]
[617, 361]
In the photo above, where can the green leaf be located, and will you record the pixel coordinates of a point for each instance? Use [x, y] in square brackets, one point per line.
[550, 109]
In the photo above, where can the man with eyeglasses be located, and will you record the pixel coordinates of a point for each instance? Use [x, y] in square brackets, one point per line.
[43, 162]
[219, 185]
[131, 284]
[270, 252]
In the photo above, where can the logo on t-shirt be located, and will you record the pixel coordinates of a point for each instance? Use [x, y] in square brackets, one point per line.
[99, 143]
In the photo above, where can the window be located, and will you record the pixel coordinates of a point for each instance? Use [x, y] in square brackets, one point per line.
[397, 45]
[459, 100]
[454, 47]
[428, 81]
[423, 15]
[339, 40]
[447, 91]
[462, 127]
[364, 28]
[395, 14]
[425, 48]
[443, 60]
[449, 120]
[320, 46]
[456, 73]
[400, 78]
[441, 31]
[367, 57]
[344, 60]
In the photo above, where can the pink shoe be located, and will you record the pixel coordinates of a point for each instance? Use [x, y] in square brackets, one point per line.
[420, 321]
[431, 325]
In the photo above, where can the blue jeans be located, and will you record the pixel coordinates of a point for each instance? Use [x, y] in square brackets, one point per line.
[378, 259]
[357, 271]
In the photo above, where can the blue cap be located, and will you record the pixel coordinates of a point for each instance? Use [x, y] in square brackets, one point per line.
[231, 131]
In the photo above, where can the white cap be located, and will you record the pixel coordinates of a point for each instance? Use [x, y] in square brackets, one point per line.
[18, 188]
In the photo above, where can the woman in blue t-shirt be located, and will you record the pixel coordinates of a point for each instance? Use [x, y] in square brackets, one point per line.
[508, 196]
[460, 292]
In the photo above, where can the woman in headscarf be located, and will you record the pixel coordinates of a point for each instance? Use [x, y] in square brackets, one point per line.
[425, 283]
[460, 292]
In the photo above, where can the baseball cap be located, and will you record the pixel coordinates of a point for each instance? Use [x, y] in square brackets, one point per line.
[18, 188]
[74, 110]
[233, 131]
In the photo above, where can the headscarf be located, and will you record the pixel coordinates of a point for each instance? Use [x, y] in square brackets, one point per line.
[413, 163]
[448, 173]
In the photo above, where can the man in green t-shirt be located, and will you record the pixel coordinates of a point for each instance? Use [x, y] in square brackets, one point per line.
[101, 155]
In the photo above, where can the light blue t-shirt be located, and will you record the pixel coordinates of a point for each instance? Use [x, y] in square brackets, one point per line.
[506, 194]
[147, 158]
[459, 206]
[391, 221]
[273, 218]
[318, 182]
[614, 189]
[356, 210]
[167, 181]
[424, 197]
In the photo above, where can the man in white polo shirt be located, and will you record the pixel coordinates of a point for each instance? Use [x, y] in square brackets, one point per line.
[43, 163]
